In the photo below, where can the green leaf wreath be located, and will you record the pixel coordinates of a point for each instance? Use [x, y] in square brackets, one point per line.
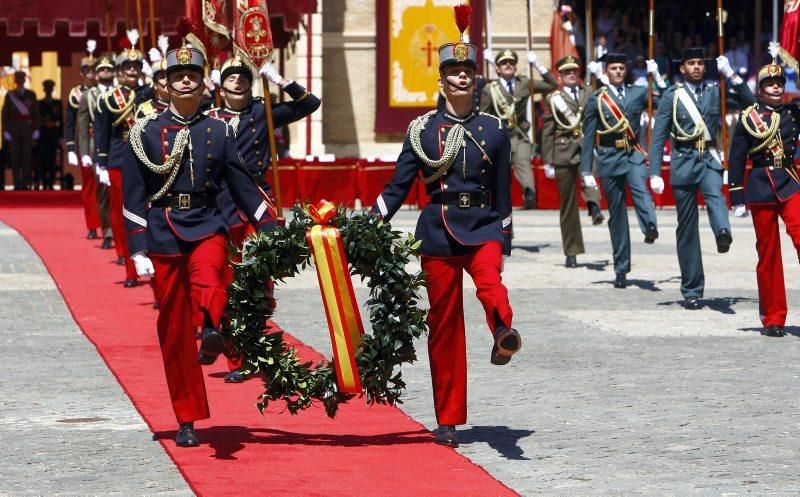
[377, 254]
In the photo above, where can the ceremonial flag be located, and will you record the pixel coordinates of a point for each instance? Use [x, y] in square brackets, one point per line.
[210, 17]
[562, 39]
[790, 30]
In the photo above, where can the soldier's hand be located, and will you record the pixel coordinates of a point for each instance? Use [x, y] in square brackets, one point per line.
[589, 181]
[774, 49]
[740, 210]
[487, 56]
[595, 68]
[216, 77]
[155, 55]
[271, 74]
[724, 66]
[102, 176]
[72, 158]
[657, 184]
[143, 264]
[86, 161]
[652, 67]
[549, 171]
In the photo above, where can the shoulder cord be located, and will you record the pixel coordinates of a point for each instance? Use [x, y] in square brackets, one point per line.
[620, 125]
[682, 133]
[508, 111]
[766, 136]
[454, 141]
[172, 161]
[559, 123]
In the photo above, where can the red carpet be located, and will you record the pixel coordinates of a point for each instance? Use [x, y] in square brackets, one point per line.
[375, 451]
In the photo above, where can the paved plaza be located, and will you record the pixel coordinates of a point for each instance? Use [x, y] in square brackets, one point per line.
[614, 391]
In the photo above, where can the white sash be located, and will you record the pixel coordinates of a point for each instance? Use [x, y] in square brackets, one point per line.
[691, 108]
[19, 104]
[563, 108]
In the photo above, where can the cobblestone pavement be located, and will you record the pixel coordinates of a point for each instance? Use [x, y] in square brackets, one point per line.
[619, 391]
[66, 426]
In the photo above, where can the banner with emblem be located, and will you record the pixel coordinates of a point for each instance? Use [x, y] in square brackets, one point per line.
[252, 41]
[790, 29]
[213, 17]
[408, 38]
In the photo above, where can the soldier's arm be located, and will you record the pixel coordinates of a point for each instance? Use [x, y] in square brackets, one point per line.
[589, 130]
[102, 134]
[661, 129]
[736, 164]
[250, 199]
[547, 84]
[302, 104]
[69, 128]
[396, 191]
[134, 205]
[548, 132]
[503, 189]
[742, 93]
[83, 125]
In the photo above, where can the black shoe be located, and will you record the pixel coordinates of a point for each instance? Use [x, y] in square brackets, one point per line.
[651, 234]
[596, 214]
[186, 436]
[571, 261]
[529, 199]
[130, 283]
[120, 261]
[211, 346]
[724, 241]
[446, 435]
[621, 281]
[106, 243]
[91, 235]
[235, 377]
[773, 330]
[692, 303]
[507, 342]
[155, 305]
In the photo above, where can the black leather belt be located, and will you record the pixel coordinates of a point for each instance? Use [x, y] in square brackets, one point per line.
[463, 200]
[615, 141]
[259, 179]
[186, 201]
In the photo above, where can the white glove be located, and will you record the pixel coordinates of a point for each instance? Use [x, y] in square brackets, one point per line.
[6, 136]
[72, 158]
[774, 49]
[567, 26]
[86, 161]
[155, 55]
[269, 71]
[102, 175]
[549, 171]
[216, 77]
[487, 55]
[144, 266]
[657, 184]
[595, 68]
[740, 210]
[589, 181]
[652, 67]
[147, 69]
[534, 61]
[724, 66]
[35, 135]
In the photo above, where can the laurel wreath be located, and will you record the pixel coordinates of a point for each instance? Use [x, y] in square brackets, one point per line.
[376, 254]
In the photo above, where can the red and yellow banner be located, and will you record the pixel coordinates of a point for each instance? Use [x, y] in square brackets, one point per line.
[341, 307]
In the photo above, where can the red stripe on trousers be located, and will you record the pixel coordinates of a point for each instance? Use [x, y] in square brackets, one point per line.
[89, 198]
[446, 339]
[118, 222]
[185, 286]
[769, 271]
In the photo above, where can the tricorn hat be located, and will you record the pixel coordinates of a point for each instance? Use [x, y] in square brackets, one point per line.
[459, 52]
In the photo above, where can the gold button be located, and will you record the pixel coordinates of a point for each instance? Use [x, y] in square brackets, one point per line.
[256, 142]
[260, 163]
[166, 144]
[208, 142]
[208, 130]
[483, 171]
[208, 156]
[253, 130]
[251, 119]
[483, 143]
[445, 187]
[443, 142]
[445, 207]
[482, 206]
[480, 128]
[208, 184]
[208, 171]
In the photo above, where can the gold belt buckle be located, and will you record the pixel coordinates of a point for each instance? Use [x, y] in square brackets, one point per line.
[576, 133]
[777, 162]
[463, 200]
[619, 143]
[184, 201]
[125, 136]
[700, 145]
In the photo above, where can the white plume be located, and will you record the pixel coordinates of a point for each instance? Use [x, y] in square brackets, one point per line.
[133, 36]
[91, 45]
[163, 43]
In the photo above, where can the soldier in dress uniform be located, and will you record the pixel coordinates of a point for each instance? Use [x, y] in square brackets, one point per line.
[88, 184]
[51, 122]
[173, 171]
[20, 130]
[507, 98]
[160, 99]
[463, 158]
[87, 124]
[611, 127]
[561, 151]
[116, 116]
[247, 117]
[767, 133]
[689, 114]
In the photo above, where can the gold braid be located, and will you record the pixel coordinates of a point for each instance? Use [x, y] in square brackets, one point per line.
[622, 123]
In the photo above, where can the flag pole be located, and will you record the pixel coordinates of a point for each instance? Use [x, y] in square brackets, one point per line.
[276, 178]
[140, 25]
[531, 87]
[152, 23]
[589, 41]
[722, 90]
[650, 55]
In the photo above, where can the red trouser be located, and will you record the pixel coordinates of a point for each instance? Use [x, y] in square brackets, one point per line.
[89, 198]
[446, 339]
[771, 289]
[118, 222]
[188, 288]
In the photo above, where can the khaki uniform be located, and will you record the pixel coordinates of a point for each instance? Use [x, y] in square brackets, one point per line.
[561, 147]
[87, 115]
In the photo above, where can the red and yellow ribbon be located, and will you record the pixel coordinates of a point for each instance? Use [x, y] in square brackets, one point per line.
[341, 307]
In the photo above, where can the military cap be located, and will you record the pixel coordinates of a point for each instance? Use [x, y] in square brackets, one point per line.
[185, 57]
[614, 58]
[506, 54]
[87, 61]
[459, 52]
[236, 65]
[692, 53]
[160, 66]
[129, 55]
[567, 63]
[105, 61]
[771, 71]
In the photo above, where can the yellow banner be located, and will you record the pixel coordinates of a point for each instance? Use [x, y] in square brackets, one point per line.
[418, 28]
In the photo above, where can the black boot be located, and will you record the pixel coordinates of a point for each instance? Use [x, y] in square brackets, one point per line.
[571, 261]
[692, 303]
[446, 435]
[529, 199]
[91, 235]
[651, 234]
[235, 377]
[773, 330]
[130, 283]
[186, 436]
[120, 261]
[621, 281]
[211, 346]
[106, 243]
[724, 241]
[596, 214]
[507, 342]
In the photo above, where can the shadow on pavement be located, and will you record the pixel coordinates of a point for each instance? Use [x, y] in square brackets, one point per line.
[648, 285]
[531, 248]
[723, 305]
[790, 330]
[501, 438]
[596, 265]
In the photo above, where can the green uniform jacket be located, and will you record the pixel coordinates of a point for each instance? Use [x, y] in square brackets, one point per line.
[519, 100]
[559, 146]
